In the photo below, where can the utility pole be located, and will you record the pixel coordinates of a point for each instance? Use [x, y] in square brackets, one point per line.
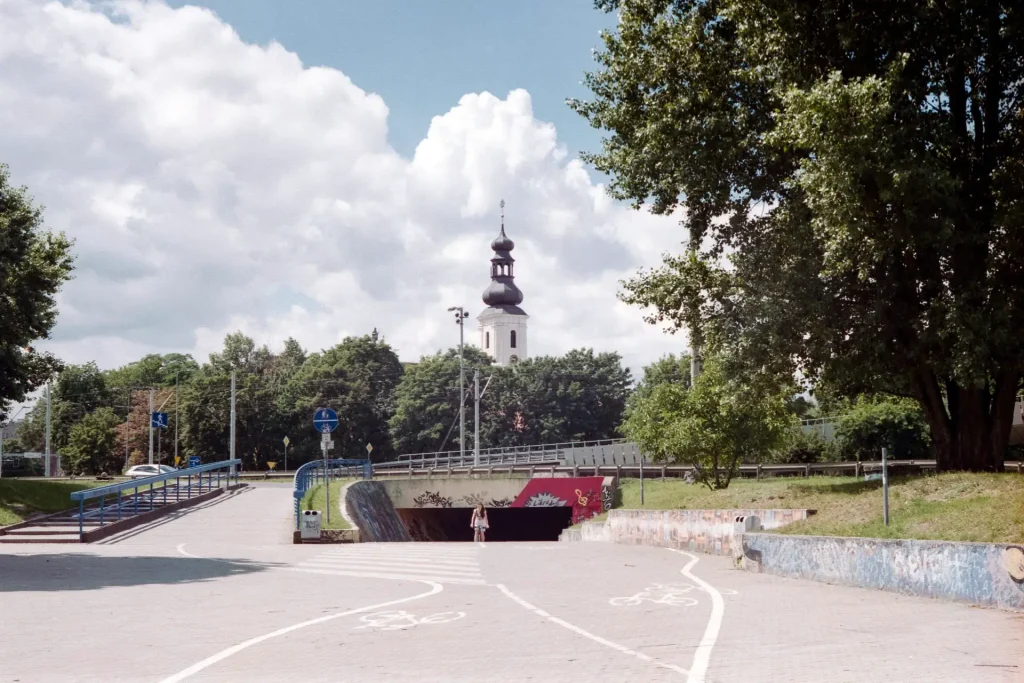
[460, 317]
[46, 465]
[151, 391]
[232, 451]
[127, 427]
[10, 420]
[476, 418]
[176, 402]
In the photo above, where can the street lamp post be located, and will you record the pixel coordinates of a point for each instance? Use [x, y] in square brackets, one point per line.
[460, 317]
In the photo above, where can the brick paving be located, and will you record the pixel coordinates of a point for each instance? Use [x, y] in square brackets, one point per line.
[151, 604]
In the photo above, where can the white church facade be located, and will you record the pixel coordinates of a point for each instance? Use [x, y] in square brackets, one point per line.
[502, 325]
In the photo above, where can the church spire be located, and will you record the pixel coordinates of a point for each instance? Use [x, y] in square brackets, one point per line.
[502, 291]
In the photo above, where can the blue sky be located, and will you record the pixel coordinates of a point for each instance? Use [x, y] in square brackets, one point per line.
[421, 57]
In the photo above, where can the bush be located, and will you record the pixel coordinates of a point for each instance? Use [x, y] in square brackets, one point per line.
[805, 446]
[896, 424]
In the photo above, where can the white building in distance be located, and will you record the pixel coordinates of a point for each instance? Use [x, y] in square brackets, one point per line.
[502, 324]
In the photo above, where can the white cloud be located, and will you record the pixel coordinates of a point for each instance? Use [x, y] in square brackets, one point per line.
[213, 185]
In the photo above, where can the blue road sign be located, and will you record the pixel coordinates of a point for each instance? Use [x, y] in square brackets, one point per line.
[158, 420]
[325, 420]
[194, 461]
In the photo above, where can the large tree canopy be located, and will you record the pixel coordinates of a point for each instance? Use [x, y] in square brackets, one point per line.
[851, 176]
[34, 264]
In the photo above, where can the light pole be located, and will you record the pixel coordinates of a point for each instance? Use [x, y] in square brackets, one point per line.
[460, 317]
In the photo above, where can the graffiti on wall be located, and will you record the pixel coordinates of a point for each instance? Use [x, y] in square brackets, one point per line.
[474, 499]
[579, 493]
[1013, 562]
[432, 499]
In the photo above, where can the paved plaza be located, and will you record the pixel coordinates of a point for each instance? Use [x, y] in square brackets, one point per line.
[217, 593]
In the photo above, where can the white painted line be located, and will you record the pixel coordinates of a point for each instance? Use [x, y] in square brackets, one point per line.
[587, 634]
[362, 557]
[181, 549]
[702, 657]
[435, 588]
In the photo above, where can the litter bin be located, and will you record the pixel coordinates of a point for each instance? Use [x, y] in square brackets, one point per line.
[310, 524]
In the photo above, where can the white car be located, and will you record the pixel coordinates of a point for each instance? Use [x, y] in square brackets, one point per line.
[148, 470]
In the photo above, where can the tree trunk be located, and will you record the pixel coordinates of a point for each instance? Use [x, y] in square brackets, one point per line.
[971, 428]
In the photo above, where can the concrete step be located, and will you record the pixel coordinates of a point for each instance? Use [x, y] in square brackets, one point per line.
[41, 531]
[63, 538]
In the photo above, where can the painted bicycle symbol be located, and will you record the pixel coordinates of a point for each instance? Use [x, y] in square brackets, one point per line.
[675, 595]
[396, 620]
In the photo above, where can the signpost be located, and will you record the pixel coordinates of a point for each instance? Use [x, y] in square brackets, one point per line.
[286, 453]
[885, 487]
[369, 449]
[194, 461]
[158, 420]
[325, 421]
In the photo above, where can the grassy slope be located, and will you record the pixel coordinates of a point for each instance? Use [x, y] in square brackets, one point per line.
[955, 507]
[316, 499]
[21, 498]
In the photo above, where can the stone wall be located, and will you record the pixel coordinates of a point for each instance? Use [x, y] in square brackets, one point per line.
[978, 573]
[371, 511]
[707, 531]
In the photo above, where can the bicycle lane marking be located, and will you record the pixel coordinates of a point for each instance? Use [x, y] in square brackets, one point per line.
[587, 634]
[435, 588]
[702, 656]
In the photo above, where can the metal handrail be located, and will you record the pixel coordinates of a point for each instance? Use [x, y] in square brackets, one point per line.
[498, 450]
[301, 482]
[106, 490]
[102, 492]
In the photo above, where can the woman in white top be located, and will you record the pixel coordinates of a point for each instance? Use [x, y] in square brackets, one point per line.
[479, 523]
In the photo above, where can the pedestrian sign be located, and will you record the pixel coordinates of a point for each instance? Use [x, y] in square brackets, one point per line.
[325, 420]
[158, 420]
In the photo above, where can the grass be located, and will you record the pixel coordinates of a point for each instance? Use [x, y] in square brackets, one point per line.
[20, 498]
[953, 507]
[316, 499]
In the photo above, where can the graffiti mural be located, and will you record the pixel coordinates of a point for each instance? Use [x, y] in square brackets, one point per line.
[432, 499]
[474, 499]
[579, 493]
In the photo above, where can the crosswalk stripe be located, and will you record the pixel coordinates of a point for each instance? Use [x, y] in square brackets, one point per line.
[393, 566]
[389, 575]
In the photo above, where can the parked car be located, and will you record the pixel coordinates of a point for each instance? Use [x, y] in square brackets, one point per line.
[148, 470]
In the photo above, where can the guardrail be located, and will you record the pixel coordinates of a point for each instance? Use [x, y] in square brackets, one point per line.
[104, 492]
[856, 469]
[310, 474]
[501, 452]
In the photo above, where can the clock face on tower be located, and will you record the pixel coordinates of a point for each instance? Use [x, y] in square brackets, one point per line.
[513, 359]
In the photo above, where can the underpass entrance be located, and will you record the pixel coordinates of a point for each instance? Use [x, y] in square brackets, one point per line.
[432, 524]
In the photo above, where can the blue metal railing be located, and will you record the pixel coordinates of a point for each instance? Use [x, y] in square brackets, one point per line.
[103, 492]
[314, 471]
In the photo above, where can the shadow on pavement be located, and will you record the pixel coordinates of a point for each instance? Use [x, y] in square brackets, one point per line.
[78, 571]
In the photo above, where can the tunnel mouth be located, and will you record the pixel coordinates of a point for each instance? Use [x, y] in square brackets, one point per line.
[451, 524]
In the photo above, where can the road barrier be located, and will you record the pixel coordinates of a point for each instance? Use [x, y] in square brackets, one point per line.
[226, 468]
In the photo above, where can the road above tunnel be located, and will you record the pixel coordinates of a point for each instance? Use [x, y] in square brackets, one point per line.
[218, 594]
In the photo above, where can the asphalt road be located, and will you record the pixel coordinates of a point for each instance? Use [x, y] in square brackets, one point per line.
[217, 594]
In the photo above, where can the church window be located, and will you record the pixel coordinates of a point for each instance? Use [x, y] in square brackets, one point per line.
[513, 339]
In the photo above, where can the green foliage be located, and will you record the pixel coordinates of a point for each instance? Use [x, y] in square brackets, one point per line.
[580, 396]
[804, 446]
[851, 174]
[358, 379]
[152, 372]
[91, 444]
[869, 425]
[716, 424]
[34, 264]
[77, 391]
[427, 401]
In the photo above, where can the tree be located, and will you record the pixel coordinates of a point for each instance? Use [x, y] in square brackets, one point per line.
[580, 396]
[851, 177]
[92, 444]
[427, 402]
[358, 379]
[77, 391]
[714, 425]
[871, 424]
[34, 264]
[152, 372]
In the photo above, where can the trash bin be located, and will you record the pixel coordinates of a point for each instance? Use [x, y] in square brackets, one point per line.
[310, 524]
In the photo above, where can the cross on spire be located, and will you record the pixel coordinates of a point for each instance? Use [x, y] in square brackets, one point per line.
[502, 205]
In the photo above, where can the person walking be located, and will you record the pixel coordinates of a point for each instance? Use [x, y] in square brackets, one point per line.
[479, 523]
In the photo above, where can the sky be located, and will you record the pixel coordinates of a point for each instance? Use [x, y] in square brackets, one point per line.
[316, 170]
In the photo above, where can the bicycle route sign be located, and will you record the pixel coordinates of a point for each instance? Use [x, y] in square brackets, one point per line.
[325, 420]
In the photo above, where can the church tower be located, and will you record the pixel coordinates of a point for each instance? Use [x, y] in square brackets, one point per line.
[502, 324]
